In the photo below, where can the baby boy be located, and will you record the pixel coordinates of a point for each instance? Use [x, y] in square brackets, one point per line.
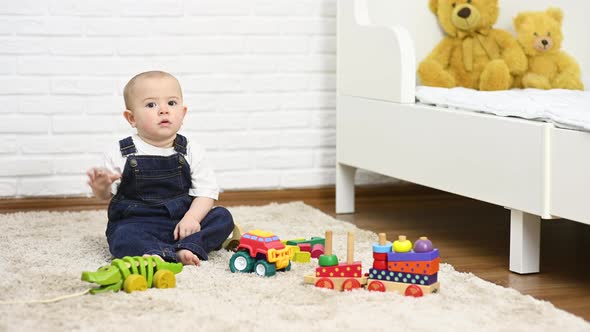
[161, 186]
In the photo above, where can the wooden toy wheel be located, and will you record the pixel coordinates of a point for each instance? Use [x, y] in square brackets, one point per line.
[324, 283]
[350, 284]
[135, 282]
[414, 291]
[164, 279]
[376, 286]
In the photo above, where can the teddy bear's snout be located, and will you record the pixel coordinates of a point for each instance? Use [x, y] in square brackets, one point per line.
[465, 17]
[543, 44]
[464, 12]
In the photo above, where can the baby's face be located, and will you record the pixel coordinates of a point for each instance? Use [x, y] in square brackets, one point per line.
[157, 110]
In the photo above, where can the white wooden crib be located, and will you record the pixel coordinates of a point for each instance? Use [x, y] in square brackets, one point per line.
[532, 168]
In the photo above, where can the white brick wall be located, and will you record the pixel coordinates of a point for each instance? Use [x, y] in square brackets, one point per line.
[258, 77]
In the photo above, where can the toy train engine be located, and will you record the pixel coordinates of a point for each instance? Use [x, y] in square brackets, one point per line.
[399, 268]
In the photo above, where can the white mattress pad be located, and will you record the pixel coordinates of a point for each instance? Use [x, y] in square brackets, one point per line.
[565, 108]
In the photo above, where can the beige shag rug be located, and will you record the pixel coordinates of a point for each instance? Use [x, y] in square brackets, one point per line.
[43, 254]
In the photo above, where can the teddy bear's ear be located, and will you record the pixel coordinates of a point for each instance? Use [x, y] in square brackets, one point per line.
[556, 13]
[518, 20]
[433, 6]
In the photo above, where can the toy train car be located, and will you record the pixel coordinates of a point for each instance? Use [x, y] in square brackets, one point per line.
[396, 268]
[342, 276]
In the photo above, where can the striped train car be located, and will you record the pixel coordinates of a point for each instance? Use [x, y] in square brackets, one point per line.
[396, 267]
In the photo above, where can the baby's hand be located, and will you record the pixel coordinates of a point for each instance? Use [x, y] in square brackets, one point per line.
[100, 180]
[185, 227]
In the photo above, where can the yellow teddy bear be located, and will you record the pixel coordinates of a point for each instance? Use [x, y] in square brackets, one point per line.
[540, 35]
[473, 54]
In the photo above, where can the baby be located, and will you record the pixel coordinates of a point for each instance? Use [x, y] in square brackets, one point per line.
[162, 186]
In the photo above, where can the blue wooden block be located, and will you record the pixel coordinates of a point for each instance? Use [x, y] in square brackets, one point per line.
[412, 256]
[382, 248]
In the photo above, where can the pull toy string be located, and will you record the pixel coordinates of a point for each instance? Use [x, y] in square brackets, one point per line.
[49, 300]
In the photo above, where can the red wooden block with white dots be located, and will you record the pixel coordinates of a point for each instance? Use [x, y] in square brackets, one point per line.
[353, 270]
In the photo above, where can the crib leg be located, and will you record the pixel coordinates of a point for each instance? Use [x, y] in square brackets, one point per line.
[345, 188]
[525, 242]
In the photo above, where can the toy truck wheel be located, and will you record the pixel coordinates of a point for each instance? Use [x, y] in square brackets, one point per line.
[376, 286]
[241, 262]
[265, 269]
[287, 268]
[164, 279]
[325, 283]
[350, 284]
[135, 282]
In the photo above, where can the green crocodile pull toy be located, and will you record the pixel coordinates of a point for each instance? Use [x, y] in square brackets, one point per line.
[133, 274]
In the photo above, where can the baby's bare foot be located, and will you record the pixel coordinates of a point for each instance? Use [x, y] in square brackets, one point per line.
[186, 257]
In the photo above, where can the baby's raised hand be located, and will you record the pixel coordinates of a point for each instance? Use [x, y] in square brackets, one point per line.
[100, 180]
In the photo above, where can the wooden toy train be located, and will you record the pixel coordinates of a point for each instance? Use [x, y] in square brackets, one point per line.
[396, 268]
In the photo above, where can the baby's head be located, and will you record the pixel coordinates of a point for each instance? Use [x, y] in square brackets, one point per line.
[154, 105]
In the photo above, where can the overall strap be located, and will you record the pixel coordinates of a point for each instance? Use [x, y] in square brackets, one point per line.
[180, 144]
[127, 146]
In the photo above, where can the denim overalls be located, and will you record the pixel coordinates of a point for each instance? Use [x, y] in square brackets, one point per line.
[152, 198]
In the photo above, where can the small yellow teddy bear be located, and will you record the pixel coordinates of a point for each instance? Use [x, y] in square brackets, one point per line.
[539, 34]
[473, 54]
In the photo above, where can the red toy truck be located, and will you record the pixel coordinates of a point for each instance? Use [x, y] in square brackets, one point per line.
[262, 253]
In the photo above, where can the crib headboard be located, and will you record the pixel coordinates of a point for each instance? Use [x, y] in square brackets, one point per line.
[380, 42]
[417, 18]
